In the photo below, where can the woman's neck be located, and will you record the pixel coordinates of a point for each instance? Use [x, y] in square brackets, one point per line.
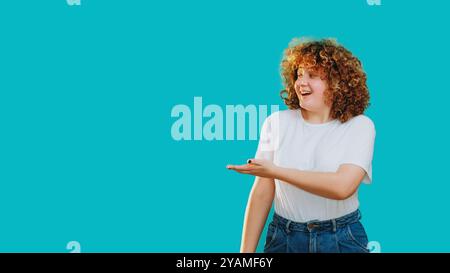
[315, 117]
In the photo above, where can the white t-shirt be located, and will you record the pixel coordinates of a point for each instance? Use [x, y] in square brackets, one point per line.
[291, 142]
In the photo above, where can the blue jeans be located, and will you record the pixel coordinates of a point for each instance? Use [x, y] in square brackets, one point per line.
[345, 234]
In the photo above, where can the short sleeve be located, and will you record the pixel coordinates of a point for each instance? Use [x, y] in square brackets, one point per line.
[268, 138]
[359, 145]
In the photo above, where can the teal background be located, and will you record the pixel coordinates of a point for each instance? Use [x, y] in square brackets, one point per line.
[86, 93]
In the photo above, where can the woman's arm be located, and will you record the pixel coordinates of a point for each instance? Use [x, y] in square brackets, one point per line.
[338, 185]
[258, 208]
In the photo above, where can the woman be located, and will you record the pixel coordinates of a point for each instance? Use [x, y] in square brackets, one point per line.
[312, 158]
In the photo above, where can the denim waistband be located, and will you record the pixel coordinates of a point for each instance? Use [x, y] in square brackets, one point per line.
[315, 225]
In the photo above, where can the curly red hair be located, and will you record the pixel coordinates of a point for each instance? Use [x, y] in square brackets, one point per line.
[347, 92]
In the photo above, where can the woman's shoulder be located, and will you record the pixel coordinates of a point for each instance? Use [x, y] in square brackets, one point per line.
[282, 116]
[361, 121]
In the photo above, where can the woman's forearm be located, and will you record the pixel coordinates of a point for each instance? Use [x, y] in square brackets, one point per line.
[319, 183]
[258, 208]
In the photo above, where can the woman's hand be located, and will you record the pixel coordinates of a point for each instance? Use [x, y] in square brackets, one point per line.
[256, 167]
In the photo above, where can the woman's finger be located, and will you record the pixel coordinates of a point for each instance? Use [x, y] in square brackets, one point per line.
[238, 167]
[255, 161]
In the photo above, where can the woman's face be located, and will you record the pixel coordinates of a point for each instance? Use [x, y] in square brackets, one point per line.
[310, 89]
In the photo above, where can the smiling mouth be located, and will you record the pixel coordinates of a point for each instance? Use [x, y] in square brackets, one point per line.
[306, 94]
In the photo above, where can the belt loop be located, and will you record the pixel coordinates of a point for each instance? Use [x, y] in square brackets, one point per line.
[333, 221]
[287, 226]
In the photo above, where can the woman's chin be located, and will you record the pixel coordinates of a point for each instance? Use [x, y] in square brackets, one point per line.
[306, 106]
